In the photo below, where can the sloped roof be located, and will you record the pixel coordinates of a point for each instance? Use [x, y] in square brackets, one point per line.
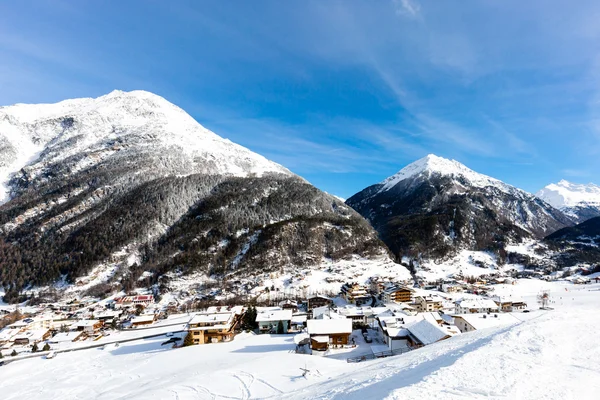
[426, 332]
[329, 326]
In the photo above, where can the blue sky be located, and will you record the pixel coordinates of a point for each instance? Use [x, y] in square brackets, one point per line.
[344, 93]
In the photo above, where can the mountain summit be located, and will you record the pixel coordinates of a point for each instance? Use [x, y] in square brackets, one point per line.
[432, 164]
[81, 133]
[579, 201]
[435, 207]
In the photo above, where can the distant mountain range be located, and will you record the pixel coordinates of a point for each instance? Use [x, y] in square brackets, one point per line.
[579, 201]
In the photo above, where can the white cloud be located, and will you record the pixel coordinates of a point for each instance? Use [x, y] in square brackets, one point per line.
[408, 8]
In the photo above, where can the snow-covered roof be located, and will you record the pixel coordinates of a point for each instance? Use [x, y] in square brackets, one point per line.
[321, 339]
[86, 323]
[274, 316]
[329, 326]
[63, 337]
[213, 318]
[427, 332]
[477, 303]
[33, 335]
[143, 319]
[482, 321]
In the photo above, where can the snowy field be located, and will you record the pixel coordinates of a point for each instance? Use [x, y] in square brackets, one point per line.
[549, 355]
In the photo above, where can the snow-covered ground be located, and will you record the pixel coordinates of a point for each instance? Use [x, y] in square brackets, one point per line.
[549, 355]
[465, 263]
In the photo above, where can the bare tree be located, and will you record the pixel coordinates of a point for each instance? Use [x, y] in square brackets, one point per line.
[543, 299]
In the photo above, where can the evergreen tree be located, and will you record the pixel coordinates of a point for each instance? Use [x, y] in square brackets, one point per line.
[280, 328]
[14, 353]
[46, 347]
[1, 356]
[34, 349]
[189, 340]
[249, 320]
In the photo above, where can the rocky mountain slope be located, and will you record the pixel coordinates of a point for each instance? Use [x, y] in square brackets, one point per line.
[130, 179]
[581, 202]
[435, 207]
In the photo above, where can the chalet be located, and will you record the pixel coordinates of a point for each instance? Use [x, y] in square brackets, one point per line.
[89, 326]
[213, 327]
[289, 305]
[510, 304]
[133, 301]
[31, 336]
[63, 338]
[356, 294]
[477, 305]
[398, 294]
[318, 301]
[425, 332]
[472, 322]
[326, 332]
[451, 288]
[143, 320]
[7, 335]
[268, 320]
[428, 303]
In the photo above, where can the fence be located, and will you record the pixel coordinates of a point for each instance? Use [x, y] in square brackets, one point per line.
[372, 356]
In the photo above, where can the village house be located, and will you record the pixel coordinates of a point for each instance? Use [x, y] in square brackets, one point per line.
[89, 326]
[510, 304]
[472, 322]
[289, 305]
[355, 294]
[318, 301]
[477, 305]
[451, 288]
[329, 332]
[268, 320]
[425, 332]
[31, 336]
[62, 339]
[213, 327]
[398, 294]
[428, 303]
[133, 301]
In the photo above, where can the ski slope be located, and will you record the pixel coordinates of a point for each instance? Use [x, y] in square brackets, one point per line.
[548, 355]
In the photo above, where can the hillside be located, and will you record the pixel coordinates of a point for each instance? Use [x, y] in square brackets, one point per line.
[130, 181]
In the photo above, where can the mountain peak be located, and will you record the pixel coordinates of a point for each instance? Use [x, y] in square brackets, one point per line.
[567, 194]
[432, 164]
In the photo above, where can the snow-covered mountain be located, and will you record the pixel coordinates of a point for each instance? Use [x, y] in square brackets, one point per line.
[579, 201]
[435, 207]
[130, 181]
[82, 133]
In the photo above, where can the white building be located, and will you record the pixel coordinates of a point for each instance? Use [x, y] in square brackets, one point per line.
[472, 322]
[476, 305]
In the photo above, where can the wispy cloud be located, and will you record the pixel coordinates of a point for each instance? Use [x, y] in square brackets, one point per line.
[407, 8]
